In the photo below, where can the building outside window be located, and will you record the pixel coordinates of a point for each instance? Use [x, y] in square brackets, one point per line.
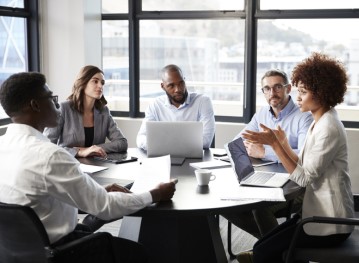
[17, 35]
[211, 50]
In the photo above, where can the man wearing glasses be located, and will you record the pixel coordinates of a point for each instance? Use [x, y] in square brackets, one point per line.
[281, 110]
[46, 177]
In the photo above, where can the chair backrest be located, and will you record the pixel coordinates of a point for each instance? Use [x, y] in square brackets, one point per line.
[23, 237]
[347, 252]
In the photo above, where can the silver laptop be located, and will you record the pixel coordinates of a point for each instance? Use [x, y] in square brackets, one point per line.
[179, 139]
[244, 170]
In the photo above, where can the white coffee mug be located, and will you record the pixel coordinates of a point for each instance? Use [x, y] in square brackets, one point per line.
[203, 176]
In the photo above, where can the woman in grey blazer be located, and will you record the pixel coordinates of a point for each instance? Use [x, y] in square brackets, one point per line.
[86, 121]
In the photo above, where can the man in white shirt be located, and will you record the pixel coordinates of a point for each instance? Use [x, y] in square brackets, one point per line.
[44, 176]
[178, 105]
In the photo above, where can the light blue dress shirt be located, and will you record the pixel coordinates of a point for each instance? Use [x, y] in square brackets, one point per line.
[291, 120]
[197, 107]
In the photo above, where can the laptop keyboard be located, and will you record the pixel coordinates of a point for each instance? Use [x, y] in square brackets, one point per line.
[259, 178]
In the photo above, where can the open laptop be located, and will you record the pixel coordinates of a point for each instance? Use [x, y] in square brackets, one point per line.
[178, 139]
[244, 170]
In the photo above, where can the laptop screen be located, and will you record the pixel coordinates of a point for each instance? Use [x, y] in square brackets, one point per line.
[177, 138]
[239, 158]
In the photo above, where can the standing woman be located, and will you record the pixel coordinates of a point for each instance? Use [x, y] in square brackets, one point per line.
[322, 164]
[86, 121]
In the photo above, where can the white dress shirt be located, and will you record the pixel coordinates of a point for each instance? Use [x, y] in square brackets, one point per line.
[323, 169]
[37, 173]
[197, 107]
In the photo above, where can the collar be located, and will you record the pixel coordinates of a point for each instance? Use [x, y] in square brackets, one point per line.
[14, 128]
[286, 110]
[186, 102]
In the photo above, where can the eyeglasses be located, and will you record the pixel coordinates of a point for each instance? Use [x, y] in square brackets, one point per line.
[275, 88]
[54, 98]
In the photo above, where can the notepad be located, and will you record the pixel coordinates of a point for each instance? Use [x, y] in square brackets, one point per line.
[253, 193]
[90, 169]
[210, 164]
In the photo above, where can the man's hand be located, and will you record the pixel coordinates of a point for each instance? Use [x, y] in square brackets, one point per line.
[117, 188]
[254, 150]
[164, 191]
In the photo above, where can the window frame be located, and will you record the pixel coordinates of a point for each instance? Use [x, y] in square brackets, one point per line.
[30, 13]
[251, 14]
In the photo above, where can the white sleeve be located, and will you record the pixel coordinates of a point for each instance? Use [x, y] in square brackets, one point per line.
[66, 182]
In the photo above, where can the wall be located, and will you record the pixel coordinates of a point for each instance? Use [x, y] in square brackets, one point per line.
[70, 38]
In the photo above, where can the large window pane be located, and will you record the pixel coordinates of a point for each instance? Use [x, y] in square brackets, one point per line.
[308, 4]
[284, 43]
[210, 53]
[12, 3]
[115, 64]
[12, 48]
[114, 6]
[178, 5]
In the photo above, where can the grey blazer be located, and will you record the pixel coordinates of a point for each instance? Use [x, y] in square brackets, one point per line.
[70, 131]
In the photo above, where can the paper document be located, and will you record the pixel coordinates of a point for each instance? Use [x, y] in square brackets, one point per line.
[90, 169]
[253, 193]
[210, 164]
[152, 171]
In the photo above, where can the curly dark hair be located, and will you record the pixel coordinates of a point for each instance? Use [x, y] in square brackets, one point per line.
[78, 89]
[19, 89]
[326, 77]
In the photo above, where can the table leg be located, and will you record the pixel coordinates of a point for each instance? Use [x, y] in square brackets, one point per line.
[177, 238]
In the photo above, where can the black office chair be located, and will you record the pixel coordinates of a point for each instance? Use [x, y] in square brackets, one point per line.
[23, 239]
[287, 213]
[347, 252]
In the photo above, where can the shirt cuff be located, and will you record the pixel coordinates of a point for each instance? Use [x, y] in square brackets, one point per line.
[147, 198]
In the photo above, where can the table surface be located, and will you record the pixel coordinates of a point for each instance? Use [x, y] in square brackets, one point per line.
[184, 229]
[189, 197]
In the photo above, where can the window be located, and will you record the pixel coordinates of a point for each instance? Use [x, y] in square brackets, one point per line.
[209, 52]
[115, 64]
[290, 41]
[170, 5]
[16, 44]
[308, 4]
[223, 48]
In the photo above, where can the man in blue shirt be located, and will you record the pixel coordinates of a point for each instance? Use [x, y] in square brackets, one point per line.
[179, 105]
[280, 111]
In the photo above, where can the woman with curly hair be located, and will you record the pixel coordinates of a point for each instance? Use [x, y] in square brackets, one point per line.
[86, 121]
[322, 164]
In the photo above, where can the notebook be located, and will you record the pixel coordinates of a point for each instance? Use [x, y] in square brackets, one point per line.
[244, 170]
[178, 139]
